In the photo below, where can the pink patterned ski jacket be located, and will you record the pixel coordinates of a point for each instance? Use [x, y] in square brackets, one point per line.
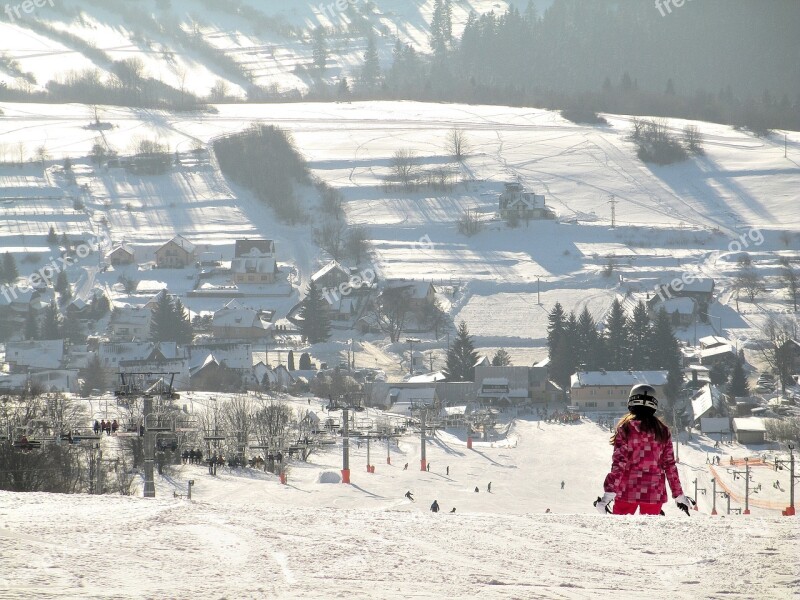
[638, 467]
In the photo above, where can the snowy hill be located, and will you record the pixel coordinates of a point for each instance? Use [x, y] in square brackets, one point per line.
[244, 535]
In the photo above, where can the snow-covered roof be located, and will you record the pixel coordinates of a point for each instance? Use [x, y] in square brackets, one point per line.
[749, 424]
[494, 381]
[452, 411]
[331, 266]
[123, 249]
[233, 314]
[684, 306]
[45, 354]
[710, 341]
[716, 351]
[417, 290]
[181, 242]
[617, 378]
[254, 248]
[112, 353]
[427, 378]
[715, 424]
[705, 400]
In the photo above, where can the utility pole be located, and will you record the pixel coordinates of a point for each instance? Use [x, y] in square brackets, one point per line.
[345, 445]
[149, 450]
[538, 291]
[746, 473]
[411, 354]
[613, 203]
[714, 496]
[696, 490]
[423, 463]
[790, 511]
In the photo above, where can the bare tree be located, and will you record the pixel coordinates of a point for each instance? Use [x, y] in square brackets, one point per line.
[236, 415]
[778, 347]
[357, 244]
[404, 167]
[790, 279]
[469, 224]
[457, 144]
[219, 92]
[270, 424]
[331, 237]
[391, 309]
[749, 281]
[693, 139]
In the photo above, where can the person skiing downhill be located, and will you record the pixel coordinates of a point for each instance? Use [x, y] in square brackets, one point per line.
[642, 457]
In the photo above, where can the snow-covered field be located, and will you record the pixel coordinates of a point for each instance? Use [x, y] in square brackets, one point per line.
[695, 216]
[244, 535]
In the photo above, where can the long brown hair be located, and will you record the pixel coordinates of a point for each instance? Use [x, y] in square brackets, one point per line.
[648, 423]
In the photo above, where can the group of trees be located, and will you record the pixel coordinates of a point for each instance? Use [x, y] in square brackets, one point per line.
[264, 159]
[170, 321]
[569, 57]
[8, 269]
[636, 342]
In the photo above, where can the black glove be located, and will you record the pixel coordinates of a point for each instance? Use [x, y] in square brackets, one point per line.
[685, 503]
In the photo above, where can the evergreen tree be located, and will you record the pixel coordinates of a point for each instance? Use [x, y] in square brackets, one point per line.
[93, 376]
[639, 342]
[290, 360]
[501, 358]
[738, 386]
[72, 331]
[9, 271]
[170, 321]
[64, 240]
[555, 328]
[161, 323]
[718, 375]
[63, 288]
[305, 362]
[586, 347]
[184, 334]
[617, 350]
[315, 325]
[51, 325]
[52, 237]
[320, 49]
[31, 326]
[666, 354]
[371, 71]
[461, 357]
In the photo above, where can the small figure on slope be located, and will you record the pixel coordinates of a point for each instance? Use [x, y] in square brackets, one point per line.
[435, 506]
[409, 496]
[642, 457]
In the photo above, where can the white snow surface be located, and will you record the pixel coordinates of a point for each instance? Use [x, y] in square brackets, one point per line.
[244, 535]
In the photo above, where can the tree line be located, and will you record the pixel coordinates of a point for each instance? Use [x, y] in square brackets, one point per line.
[635, 342]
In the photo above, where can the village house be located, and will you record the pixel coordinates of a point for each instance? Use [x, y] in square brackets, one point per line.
[419, 293]
[237, 322]
[700, 289]
[121, 255]
[331, 276]
[175, 254]
[129, 323]
[504, 386]
[608, 390]
[515, 202]
[23, 357]
[254, 262]
[750, 430]
[144, 357]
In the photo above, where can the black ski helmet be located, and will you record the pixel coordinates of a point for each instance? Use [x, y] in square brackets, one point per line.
[643, 395]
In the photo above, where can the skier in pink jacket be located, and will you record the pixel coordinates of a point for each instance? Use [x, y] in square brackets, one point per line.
[642, 456]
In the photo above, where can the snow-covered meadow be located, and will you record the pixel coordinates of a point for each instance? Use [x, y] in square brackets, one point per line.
[244, 535]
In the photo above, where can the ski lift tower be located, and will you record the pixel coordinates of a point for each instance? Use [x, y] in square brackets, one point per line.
[139, 385]
[346, 403]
